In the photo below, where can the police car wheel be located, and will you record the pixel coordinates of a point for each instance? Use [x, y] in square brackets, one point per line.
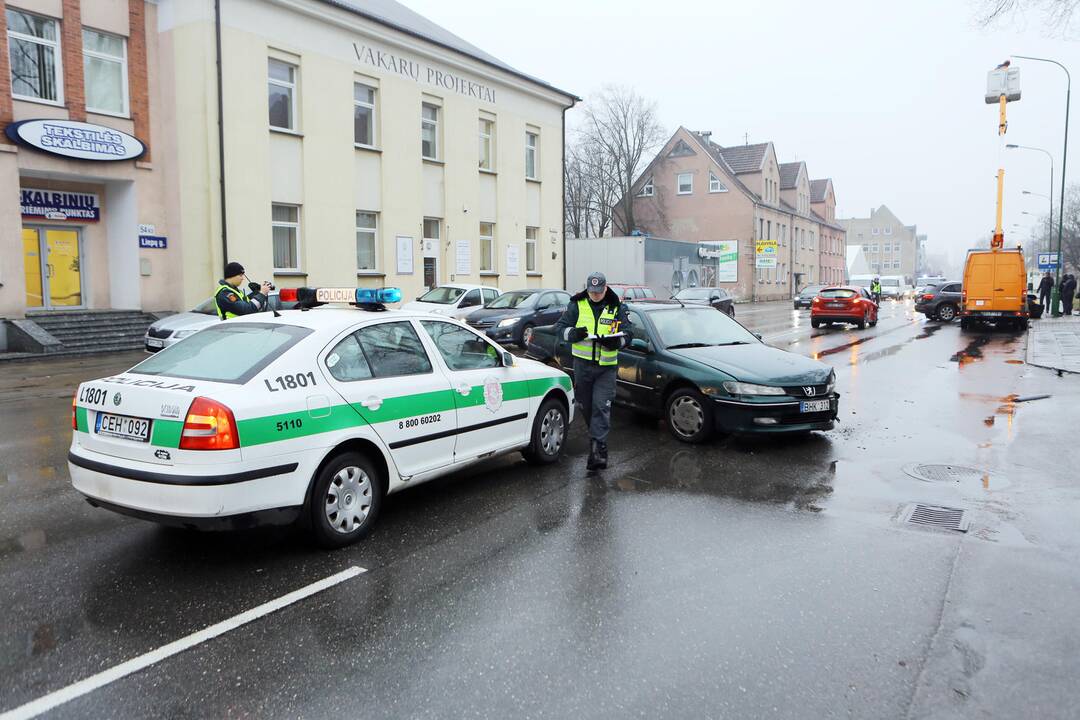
[689, 416]
[548, 433]
[346, 500]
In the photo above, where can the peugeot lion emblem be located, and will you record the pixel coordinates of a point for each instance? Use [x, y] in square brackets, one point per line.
[116, 399]
[809, 390]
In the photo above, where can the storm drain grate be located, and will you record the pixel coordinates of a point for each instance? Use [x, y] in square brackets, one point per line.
[944, 473]
[937, 516]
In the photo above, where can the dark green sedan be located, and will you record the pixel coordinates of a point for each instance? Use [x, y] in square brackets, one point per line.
[703, 373]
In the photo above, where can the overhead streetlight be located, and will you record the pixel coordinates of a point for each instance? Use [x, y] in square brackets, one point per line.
[1056, 296]
[1050, 235]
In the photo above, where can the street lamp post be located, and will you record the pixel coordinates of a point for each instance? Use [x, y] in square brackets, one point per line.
[1049, 220]
[1055, 296]
[1050, 237]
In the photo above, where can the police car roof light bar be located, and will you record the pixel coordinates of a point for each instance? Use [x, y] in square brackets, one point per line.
[364, 298]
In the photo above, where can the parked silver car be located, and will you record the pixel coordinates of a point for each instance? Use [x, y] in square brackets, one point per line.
[174, 328]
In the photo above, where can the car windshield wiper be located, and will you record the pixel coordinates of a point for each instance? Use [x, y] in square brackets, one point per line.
[733, 342]
[680, 346]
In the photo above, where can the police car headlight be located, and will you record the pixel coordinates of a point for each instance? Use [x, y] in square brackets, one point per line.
[183, 333]
[508, 322]
[741, 388]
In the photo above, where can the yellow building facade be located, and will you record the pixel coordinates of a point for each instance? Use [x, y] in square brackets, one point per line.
[358, 147]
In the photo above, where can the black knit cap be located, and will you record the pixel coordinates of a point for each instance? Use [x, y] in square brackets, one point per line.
[233, 269]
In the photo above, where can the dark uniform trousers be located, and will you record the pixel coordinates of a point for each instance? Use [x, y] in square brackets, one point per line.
[594, 391]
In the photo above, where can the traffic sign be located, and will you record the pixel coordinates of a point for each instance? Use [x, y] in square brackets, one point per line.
[1049, 261]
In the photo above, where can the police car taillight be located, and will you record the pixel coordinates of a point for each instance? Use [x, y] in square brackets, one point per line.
[74, 412]
[209, 425]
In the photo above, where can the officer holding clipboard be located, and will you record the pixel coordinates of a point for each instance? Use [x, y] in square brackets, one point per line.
[595, 323]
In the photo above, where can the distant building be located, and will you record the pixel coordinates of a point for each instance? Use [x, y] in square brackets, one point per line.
[889, 246]
[697, 190]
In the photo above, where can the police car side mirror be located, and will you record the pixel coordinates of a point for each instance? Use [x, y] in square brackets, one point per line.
[507, 359]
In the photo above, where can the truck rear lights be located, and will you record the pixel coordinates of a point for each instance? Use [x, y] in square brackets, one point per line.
[209, 425]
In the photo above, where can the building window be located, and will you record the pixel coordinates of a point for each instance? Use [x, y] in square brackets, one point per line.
[874, 231]
[487, 144]
[888, 231]
[363, 115]
[105, 73]
[282, 94]
[532, 141]
[761, 229]
[429, 131]
[367, 224]
[431, 230]
[531, 234]
[874, 247]
[487, 247]
[648, 189]
[34, 52]
[715, 186]
[768, 230]
[285, 227]
[685, 183]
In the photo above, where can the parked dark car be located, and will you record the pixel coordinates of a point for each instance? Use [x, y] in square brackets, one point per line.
[704, 372]
[941, 302]
[511, 317]
[806, 296]
[719, 298]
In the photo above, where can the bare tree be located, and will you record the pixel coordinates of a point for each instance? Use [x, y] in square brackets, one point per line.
[1057, 15]
[621, 130]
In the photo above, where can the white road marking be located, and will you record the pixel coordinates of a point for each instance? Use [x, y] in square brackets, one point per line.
[94, 682]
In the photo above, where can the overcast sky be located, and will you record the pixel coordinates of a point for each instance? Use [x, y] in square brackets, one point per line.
[887, 99]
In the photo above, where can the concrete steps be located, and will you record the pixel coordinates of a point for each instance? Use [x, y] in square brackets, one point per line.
[93, 331]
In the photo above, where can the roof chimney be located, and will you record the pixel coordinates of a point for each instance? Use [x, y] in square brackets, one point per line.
[705, 134]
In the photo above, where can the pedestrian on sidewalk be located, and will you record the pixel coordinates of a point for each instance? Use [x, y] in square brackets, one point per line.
[1046, 289]
[1068, 292]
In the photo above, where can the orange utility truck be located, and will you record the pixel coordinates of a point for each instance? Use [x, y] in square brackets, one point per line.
[995, 288]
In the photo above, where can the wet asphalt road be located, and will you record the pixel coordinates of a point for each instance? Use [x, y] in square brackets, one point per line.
[735, 580]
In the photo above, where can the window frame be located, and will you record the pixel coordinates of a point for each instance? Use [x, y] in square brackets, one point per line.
[424, 122]
[491, 245]
[58, 57]
[679, 183]
[294, 225]
[534, 150]
[375, 375]
[534, 241]
[715, 181]
[374, 232]
[373, 106]
[293, 88]
[122, 61]
[489, 138]
[648, 188]
[459, 328]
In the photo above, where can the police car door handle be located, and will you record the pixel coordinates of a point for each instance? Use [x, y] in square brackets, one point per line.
[372, 403]
[464, 388]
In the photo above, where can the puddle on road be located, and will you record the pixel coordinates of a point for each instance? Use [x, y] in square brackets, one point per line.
[928, 331]
[973, 351]
[840, 348]
[1015, 362]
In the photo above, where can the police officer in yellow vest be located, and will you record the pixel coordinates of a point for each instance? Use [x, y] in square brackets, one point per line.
[595, 322]
[231, 300]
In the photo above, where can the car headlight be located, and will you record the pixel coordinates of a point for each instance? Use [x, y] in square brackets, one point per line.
[182, 333]
[831, 384]
[508, 321]
[741, 388]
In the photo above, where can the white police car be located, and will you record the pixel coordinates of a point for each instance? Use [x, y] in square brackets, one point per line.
[308, 414]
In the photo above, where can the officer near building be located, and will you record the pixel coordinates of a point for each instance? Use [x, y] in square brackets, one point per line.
[875, 289]
[595, 323]
[230, 298]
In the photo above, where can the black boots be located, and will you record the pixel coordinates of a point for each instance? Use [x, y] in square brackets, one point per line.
[597, 456]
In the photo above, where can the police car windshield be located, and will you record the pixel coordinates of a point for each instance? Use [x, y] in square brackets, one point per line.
[442, 295]
[697, 327]
[228, 353]
[513, 300]
[206, 307]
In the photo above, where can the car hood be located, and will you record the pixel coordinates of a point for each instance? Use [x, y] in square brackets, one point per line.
[497, 314]
[760, 363]
[185, 321]
[437, 308]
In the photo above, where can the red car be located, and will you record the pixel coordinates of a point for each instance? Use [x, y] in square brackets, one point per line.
[843, 304]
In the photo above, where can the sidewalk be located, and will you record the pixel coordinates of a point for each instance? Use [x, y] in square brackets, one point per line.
[1054, 343]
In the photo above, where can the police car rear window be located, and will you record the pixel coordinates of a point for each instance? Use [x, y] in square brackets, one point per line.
[228, 353]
